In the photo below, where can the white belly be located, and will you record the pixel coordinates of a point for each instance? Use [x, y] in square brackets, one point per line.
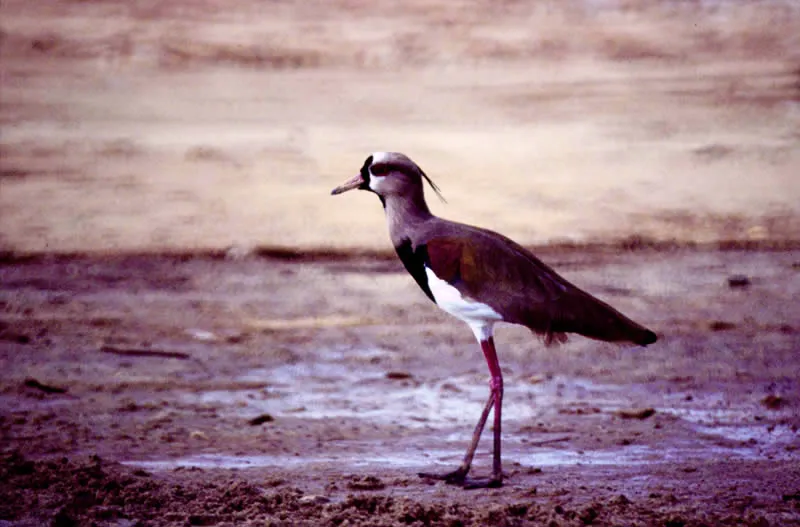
[480, 317]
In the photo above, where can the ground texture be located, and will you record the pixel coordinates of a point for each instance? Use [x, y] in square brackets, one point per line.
[193, 332]
[165, 390]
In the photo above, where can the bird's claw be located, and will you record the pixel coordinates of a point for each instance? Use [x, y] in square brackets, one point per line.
[459, 477]
[490, 483]
[456, 477]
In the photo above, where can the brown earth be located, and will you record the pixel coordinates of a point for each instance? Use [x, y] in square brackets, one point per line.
[193, 333]
[264, 390]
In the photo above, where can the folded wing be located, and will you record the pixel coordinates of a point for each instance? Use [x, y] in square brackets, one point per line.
[492, 269]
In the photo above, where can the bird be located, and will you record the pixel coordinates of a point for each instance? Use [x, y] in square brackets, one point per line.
[482, 278]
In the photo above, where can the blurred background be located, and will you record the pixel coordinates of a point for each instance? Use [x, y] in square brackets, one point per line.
[182, 125]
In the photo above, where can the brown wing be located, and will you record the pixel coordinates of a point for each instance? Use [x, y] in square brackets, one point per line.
[493, 269]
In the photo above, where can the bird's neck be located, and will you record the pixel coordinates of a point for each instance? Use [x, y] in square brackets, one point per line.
[404, 214]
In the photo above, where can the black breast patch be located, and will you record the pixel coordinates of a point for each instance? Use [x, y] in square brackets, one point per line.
[414, 262]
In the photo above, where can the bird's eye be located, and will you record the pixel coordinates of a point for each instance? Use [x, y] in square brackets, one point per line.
[379, 169]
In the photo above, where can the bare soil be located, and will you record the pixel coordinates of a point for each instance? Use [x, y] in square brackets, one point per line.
[195, 389]
[192, 332]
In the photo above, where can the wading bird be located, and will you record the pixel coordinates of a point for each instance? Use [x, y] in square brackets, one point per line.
[482, 277]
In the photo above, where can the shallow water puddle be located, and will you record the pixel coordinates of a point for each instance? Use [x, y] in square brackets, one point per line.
[713, 415]
[353, 384]
[418, 460]
[627, 456]
[333, 387]
[225, 461]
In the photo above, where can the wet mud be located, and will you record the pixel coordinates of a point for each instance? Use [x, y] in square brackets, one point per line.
[205, 390]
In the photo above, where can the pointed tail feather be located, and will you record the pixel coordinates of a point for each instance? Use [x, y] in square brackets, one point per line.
[645, 338]
[585, 315]
[602, 322]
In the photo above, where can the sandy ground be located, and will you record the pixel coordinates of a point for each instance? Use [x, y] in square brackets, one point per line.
[203, 125]
[192, 332]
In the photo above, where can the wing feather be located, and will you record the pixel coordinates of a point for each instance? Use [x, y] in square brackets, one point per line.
[492, 269]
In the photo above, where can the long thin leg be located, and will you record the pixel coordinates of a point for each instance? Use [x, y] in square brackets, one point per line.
[496, 387]
[476, 435]
[459, 476]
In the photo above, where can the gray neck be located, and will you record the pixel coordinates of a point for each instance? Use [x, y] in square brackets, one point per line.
[405, 215]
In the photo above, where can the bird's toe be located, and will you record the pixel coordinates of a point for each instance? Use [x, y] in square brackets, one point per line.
[489, 483]
[456, 477]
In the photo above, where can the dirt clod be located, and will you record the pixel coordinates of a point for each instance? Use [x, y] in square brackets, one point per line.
[642, 413]
[261, 419]
[738, 281]
[773, 402]
[365, 483]
[46, 388]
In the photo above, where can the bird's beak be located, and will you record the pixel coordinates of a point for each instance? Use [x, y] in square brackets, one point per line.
[350, 184]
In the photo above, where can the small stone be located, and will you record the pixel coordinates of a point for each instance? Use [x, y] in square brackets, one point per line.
[642, 413]
[365, 483]
[201, 334]
[791, 497]
[721, 325]
[773, 402]
[621, 501]
[313, 499]
[738, 280]
[46, 388]
[261, 419]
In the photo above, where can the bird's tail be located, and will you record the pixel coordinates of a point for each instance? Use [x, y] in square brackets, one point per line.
[585, 315]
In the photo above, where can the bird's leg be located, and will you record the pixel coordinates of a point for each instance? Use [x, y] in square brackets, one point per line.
[459, 476]
[496, 397]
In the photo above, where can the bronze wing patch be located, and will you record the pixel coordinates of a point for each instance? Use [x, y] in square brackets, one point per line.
[454, 261]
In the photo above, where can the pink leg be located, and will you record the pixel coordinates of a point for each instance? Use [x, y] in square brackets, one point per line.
[496, 387]
[459, 476]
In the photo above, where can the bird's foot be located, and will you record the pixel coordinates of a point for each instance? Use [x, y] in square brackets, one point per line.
[459, 477]
[488, 483]
[456, 477]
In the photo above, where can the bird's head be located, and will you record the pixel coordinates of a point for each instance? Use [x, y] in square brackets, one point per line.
[388, 174]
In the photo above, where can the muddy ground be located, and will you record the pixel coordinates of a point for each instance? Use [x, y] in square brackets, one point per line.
[204, 390]
[193, 332]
